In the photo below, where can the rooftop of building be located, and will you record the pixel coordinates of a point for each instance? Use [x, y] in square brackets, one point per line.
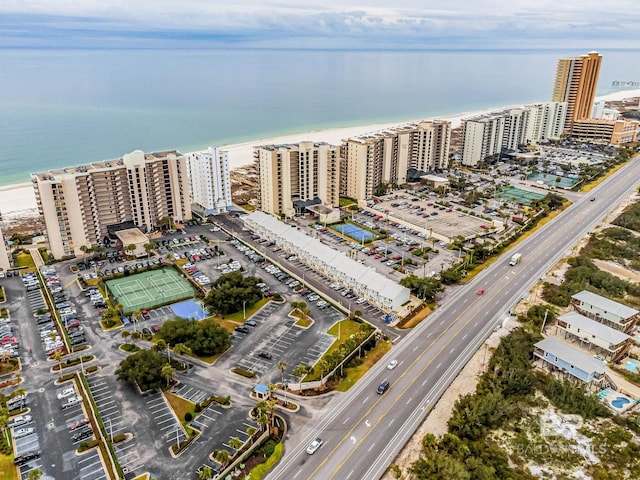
[605, 304]
[131, 236]
[592, 327]
[392, 131]
[565, 352]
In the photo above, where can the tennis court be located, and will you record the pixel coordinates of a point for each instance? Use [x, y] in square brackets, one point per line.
[149, 289]
[355, 232]
[518, 195]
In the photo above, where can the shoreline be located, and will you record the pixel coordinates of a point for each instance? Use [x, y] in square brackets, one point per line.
[18, 199]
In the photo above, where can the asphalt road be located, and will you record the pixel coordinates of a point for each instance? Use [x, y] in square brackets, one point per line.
[363, 431]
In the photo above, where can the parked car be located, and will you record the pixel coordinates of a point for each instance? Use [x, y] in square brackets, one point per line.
[22, 432]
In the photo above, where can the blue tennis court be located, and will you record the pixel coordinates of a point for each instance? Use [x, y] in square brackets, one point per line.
[188, 309]
[355, 232]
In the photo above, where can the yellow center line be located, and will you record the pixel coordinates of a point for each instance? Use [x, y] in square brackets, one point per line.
[424, 352]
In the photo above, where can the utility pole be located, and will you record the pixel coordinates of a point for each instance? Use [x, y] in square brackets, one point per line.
[546, 312]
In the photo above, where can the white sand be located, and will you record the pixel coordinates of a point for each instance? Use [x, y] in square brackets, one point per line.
[19, 199]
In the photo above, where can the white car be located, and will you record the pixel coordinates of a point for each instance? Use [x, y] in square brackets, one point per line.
[392, 364]
[313, 446]
[19, 421]
[22, 432]
[67, 392]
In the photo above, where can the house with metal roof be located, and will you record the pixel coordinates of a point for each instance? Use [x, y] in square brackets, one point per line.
[336, 265]
[605, 311]
[572, 363]
[609, 343]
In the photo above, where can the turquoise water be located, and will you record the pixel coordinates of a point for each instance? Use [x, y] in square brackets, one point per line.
[552, 180]
[620, 402]
[68, 107]
[632, 365]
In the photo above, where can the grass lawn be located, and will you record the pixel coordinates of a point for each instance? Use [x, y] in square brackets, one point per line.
[180, 406]
[304, 322]
[228, 325]
[8, 470]
[353, 374]
[24, 260]
[346, 328]
[238, 316]
[344, 201]
[424, 313]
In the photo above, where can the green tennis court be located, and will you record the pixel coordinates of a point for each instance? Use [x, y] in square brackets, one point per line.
[518, 195]
[149, 289]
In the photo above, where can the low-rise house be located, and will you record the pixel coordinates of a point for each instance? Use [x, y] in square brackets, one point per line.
[605, 311]
[573, 363]
[609, 343]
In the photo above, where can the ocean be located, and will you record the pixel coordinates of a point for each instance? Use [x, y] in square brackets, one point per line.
[68, 107]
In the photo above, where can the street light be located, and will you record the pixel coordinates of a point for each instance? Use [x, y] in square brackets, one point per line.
[244, 310]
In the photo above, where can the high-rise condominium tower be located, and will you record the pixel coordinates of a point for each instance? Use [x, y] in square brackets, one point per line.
[210, 181]
[576, 82]
[79, 204]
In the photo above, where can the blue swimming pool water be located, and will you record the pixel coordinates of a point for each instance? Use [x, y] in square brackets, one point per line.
[632, 365]
[620, 402]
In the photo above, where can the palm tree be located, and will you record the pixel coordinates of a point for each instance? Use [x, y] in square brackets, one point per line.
[357, 313]
[168, 373]
[149, 247]
[235, 443]
[57, 355]
[206, 473]
[34, 474]
[181, 349]
[251, 432]
[126, 334]
[135, 336]
[222, 456]
[302, 371]
[282, 365]
[160, 345]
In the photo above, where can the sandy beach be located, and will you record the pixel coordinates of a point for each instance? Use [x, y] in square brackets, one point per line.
[19, 199]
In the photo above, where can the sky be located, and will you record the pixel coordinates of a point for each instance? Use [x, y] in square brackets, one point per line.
[419, 24]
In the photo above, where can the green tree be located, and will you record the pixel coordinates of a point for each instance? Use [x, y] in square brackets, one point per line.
[231, 291]
[206, 473]
[143, 368]
[150, 247]
[168, 373]
[302, 371]
[204, 338]
[126, 334]
[34, 474]
[425, 288]
[235, 443]
[222, 456]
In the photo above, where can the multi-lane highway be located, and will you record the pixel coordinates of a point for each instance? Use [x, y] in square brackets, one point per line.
[363, 431]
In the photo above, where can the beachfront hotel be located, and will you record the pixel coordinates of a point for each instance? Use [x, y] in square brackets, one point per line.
[293, 176]
[575, 83]
[384, 157]
[79, 204]
[209, 178]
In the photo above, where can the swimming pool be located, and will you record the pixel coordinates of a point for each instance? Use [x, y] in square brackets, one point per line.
[632, 365]
[620, 402]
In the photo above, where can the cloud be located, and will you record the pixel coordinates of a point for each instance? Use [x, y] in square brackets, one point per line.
[420, 23]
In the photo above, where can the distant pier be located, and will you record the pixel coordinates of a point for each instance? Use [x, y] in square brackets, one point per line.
[623, 84]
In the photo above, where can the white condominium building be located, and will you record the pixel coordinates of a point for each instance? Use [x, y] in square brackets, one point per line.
[486, 135]
[382, 158]
[294, 175]
[78, 204]
[210, 181]
[546, 121]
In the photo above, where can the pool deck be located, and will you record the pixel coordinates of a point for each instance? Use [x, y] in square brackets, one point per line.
[624, 389]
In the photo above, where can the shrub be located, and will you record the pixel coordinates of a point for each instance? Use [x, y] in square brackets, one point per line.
[188, 417]
[243, 372]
